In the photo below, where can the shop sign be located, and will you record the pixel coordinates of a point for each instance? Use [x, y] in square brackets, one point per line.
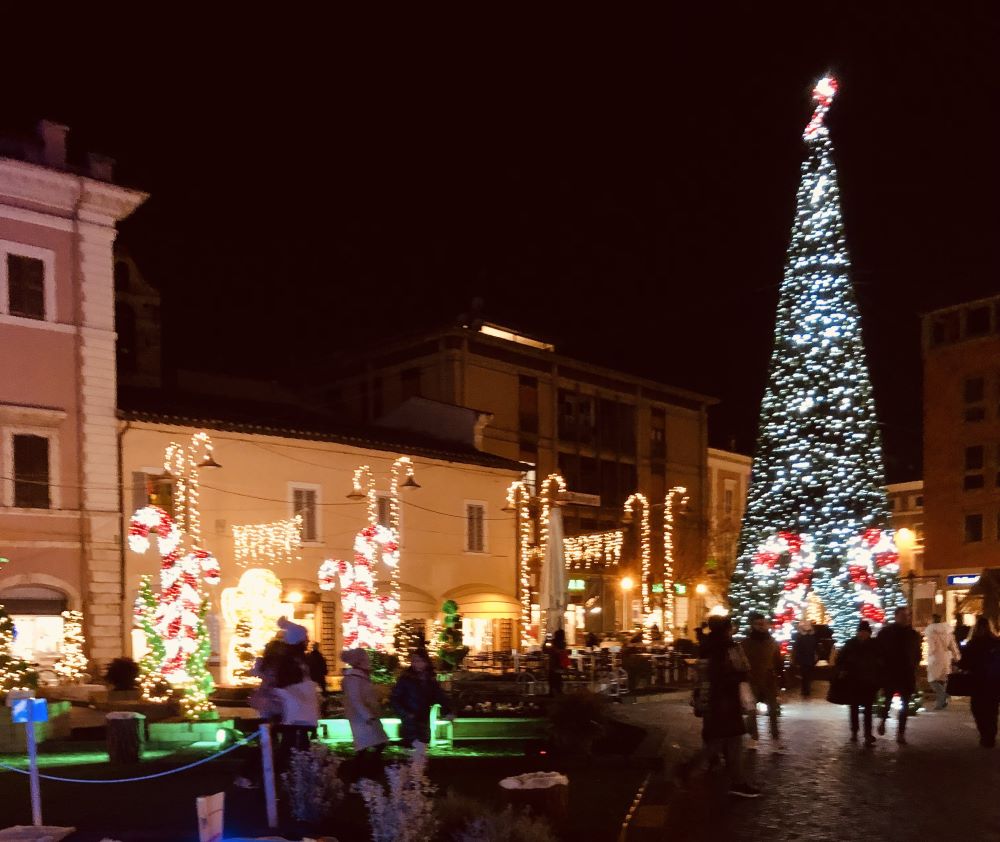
[963, 580]
[657, 587]
[576, 585]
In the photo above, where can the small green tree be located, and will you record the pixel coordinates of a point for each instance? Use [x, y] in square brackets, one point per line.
[155, 687]
[15, 673]
[451, 649]
[244, 653]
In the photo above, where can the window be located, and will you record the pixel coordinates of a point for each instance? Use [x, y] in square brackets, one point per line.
[31, 471]
[475, 527]
[25, 286]
[384, 510]
[974, 392]
[973, 529]
[919, 501]
[410, 380]
[528, 452]
[576, 417]
[658, 434]
[892, 504]
[974, 462]
[729, 496]
[945, 328]
[528, 404]
[304, 502]
[150, 488]
[977, 321]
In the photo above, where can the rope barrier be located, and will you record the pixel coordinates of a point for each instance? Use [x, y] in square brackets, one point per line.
[233, 747]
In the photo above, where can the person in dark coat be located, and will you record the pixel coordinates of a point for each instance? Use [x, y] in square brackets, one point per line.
[416, 692]
[558, 655]
[804, 655]
[899, 647]
[961, 631]
[723, 668]
[764, 658]
[859, 667]
[317, 667]
[981, 657]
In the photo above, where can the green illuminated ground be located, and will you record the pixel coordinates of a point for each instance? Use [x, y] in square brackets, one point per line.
[74, 758]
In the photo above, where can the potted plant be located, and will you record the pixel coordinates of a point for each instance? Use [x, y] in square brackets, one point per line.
[122, 674]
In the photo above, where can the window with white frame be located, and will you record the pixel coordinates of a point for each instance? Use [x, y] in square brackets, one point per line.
[305, 502]
[27, 282]
[30, 471]
[475, 527]
[151, 488]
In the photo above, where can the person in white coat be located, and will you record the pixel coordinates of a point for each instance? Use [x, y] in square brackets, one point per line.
[363, 711]
[942, 652]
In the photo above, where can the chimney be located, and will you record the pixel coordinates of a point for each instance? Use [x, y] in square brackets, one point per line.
[101, 167]
[53, 138]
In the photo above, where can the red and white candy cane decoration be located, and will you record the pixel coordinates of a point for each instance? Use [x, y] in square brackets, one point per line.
[180, 600]
[873, 552]
[792, 602]
[367, 617]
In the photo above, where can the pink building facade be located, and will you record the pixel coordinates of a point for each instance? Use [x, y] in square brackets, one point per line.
[60, 490]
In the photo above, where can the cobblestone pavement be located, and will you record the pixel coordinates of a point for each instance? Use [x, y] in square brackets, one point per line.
[940, 786]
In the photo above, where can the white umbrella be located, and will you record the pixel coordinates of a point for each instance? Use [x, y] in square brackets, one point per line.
[553, 585]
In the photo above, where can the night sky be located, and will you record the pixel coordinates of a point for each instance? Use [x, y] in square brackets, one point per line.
[623, 186]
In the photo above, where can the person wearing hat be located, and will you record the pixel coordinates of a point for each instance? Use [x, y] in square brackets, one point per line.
[859, 667]
[363, 711]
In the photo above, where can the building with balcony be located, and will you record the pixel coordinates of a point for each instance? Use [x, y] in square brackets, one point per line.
[608, 433]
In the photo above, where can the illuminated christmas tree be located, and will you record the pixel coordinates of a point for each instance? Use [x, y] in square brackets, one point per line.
[72, 663]
[816, 513]
[155, 688]
[15, 673]
[244, 653]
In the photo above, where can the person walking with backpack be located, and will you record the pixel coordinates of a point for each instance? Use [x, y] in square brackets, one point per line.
[858, 670]
[981, 657]
[942, 652]
[899, 648]
[764, 657]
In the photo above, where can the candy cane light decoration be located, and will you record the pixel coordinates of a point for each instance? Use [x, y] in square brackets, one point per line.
[179, 604]
[798, 580]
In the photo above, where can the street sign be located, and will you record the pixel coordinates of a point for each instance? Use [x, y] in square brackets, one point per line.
[24, 711]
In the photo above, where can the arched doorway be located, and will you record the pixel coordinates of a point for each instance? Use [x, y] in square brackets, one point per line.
[37, 614]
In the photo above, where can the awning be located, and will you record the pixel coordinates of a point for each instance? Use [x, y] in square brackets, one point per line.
[415, 604]
[484, 602]
[984, 596]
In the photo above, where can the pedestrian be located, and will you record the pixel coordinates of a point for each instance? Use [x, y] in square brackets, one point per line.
[723, 668]
[804, 655]
[416, 692]
[593, 641]
[763, 655]
[981, 657]
[961, 631]
[294, 636]
[899, 649]
[858, 669]
[655, 634]
[942, 652]
[558, 661]
[364, 713]
[317, 667]
[299, 709]
[267, 702]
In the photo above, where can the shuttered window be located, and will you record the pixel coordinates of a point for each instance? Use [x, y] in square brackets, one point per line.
[475, 528]
[304, 503]
[31, 472]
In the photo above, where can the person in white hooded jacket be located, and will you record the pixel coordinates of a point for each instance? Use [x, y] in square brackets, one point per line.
[942, 652]
[363, 711]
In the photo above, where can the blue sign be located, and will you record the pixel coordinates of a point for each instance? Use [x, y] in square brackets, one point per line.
[963, 579]
[33, 710]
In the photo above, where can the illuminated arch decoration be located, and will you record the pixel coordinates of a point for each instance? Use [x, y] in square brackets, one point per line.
[251, 609]
[180, 601]
[519, 499]
[648, 619]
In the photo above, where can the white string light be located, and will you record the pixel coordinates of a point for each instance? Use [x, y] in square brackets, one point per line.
[668, 559]
[598, 549]
[268, 543]
[519, 498]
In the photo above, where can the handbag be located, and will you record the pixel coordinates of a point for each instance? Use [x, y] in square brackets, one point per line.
[959, 684]
[838, 693]
[748, 700]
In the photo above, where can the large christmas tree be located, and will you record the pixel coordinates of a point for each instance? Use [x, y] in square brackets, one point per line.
[816, 513]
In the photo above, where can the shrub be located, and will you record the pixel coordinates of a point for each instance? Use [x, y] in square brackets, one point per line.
[384, 667]
[122, 674]
[404, 812]
[312, 783]
[464, 819]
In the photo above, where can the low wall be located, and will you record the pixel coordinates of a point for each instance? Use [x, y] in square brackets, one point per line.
[12, 737]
